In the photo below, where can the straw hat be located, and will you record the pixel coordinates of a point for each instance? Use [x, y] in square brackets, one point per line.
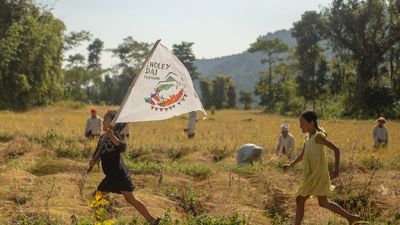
[381, 119]
[284, 127]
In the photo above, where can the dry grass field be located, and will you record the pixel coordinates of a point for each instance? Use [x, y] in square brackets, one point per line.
[43, 156]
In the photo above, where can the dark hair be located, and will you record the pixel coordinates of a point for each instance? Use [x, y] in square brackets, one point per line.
[112, 114]
[312, 116]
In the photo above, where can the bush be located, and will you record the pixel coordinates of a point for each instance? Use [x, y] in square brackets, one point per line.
[275, 203]
[205, 219]
[35, 219]
[199, 171]
[220, 153]
[5, 137]
[146, 167]
[372, 163]
[187, 198]
[17, 148]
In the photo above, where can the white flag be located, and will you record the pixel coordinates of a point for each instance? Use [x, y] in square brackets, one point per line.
[162, 90]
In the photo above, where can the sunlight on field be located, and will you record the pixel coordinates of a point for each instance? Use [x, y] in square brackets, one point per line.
[43, 156]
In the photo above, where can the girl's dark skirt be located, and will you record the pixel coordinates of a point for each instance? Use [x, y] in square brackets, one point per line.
[109, 184]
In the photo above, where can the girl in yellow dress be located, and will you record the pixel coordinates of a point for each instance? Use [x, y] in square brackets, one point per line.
[316, 175]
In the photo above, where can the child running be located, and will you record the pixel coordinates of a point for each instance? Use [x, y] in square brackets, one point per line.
[109, 151]
[316, 175]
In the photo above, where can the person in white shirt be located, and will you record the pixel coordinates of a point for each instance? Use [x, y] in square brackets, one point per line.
[380, 133]
[190, 130]
[93, 125]
[248, 153]
[286, 144]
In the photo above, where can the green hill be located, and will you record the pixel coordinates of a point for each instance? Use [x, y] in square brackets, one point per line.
[243, 67]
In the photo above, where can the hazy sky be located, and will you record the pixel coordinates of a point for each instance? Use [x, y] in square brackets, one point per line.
[217, 27]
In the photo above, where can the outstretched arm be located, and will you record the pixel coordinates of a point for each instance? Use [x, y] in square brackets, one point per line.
[323, 141]
[96, 155]
[298, 159]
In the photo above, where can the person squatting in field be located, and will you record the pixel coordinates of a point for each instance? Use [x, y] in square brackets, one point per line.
[286, 144]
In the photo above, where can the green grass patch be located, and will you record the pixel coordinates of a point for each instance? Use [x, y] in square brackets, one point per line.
[6, 137]
[146, 167]
[199, 171]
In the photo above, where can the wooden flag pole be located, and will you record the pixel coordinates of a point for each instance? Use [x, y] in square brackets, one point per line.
[134, 81]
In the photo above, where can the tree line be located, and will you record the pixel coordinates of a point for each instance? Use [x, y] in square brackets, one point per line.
[360, 80]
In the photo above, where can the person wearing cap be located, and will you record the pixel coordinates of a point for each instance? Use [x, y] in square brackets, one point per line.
[380, 133]
[93, 125]
[286, 143]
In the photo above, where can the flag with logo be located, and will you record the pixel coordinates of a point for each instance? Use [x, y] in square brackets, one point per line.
[162, 90]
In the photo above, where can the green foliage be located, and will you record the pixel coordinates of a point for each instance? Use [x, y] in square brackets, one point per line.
[31, 47]
[264, 87]
[206, 93]
[185, 54]
[369, 31]
[220, 153]
[102, 211]
[76, 81]
[374, 99]
[372, 163]
[199, 171]
[95, 49]
[289, 103]
[312, 79]
[36, 219]
[131, 54]
[205, 219]
[231, 94]
[6, 137]
[75, 39]
[279, 220]
[219, 93]
[52, 139]
[76, 60]
[73, 151]
[187, 198]
[146, 167]
[222, 85]
[246, 99]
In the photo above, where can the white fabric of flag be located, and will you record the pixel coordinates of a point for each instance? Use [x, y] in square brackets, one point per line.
[162, 90]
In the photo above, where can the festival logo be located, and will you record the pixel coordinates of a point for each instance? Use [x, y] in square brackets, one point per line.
[168, 93]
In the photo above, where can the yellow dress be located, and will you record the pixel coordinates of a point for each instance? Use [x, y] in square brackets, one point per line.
[316, 181]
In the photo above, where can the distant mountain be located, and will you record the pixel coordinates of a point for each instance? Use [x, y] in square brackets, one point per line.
[244, 67]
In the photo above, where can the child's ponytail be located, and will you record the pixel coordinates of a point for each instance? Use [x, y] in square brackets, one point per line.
[320, 129]
[312, 116]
